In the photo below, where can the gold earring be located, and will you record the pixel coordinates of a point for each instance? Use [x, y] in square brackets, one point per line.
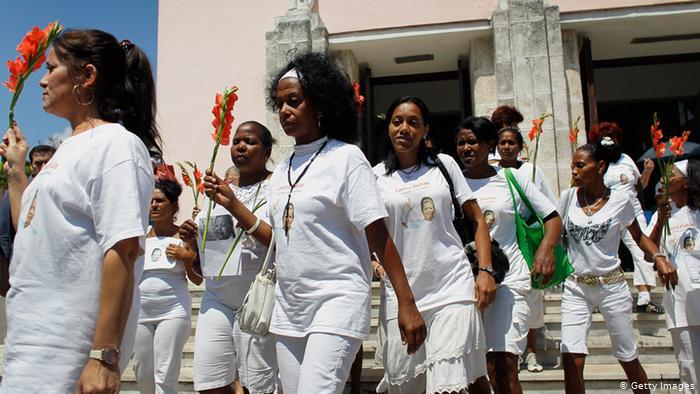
[76, 94]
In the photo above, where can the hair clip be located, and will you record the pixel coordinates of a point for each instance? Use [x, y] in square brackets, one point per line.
[607, 141]
[126, 45]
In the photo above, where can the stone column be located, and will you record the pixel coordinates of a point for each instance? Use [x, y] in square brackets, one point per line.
[299, 30]
[530, 74]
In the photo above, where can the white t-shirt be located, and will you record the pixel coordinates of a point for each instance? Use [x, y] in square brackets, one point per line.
[420, 222]
[94, 192]
[164, 292]
[323, 265]
[682, 305]
[494, 198]
[623, 175]
[593, 241]
[231, 289]
[540, 180]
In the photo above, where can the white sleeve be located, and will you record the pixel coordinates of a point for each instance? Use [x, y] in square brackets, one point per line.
[633, 166]
[119, 200]
[363, 203]
[543, 184]
[542, 205]
[462, 191]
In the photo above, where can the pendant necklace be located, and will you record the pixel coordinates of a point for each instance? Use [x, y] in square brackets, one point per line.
[589, 207]
[286, 224]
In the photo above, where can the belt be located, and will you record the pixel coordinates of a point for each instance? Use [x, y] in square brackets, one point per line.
[610, 278]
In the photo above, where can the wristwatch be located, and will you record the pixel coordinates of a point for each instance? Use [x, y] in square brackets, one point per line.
[108, 355]
[488, 270]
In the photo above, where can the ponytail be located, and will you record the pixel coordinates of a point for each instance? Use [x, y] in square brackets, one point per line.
[124, 89]
[599, 152]
[139, 101]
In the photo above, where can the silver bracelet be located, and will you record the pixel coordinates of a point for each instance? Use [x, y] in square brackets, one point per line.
[657, 254]
[255, 227]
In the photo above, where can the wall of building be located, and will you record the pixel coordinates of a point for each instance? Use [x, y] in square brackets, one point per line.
[204, 46]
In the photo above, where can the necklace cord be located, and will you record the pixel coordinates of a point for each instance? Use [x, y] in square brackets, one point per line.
[285, 214]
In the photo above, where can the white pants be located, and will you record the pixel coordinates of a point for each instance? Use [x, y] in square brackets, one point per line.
[686, 346]
[507, 322]
[643, 270]
[223, 352]
[615, 304]
[535, 300]
[158, 353]
[317, 363]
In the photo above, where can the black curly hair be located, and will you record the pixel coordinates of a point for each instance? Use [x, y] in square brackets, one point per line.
[171, 189]
[327, 88]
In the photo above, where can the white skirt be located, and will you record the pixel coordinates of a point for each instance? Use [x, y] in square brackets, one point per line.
[452, 357]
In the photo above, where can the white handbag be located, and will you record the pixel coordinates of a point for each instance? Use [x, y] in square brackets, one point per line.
[255, 312]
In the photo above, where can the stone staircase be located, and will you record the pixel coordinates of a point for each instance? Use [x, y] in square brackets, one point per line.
[602, 374]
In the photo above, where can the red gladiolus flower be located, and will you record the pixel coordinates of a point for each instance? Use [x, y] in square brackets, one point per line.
[678, 143]
[536, 128]
[226, 108]
[197, 176]
[186, 179]
[200, 187]
[16, 68]
[660, 150]
[359, 99]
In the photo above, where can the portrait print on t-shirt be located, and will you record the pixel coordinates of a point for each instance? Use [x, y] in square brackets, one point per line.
[220, 227]
[689, 242]
[156, 254]
[30, 213]
[427, 206]
[489, 218]
[288, 217]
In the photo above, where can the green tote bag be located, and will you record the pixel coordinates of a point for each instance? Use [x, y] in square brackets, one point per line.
[530, 234]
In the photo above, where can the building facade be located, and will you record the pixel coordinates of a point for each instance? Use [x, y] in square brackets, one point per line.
[619, 60]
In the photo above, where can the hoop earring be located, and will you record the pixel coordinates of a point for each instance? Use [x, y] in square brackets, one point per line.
[319, 118]
[76, 94]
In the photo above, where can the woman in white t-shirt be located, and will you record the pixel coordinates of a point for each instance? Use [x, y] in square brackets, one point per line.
[73, 305]
[594, 219]
[506, 320]
[325, 209]
[510, 143]
[682, 305]
[418, 199]
[166, 306]
[223, 352]
[623, 175]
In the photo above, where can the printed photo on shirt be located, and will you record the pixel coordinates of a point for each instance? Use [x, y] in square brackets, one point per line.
[427, 206]
[30, 213]
[220, 228]
[624, 179]
[288, 217]
[489, 218]
[156, 254]
[689, 243]
[406, 211]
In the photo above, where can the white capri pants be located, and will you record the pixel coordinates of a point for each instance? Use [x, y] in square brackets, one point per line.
[507, 322]
[317, 363]
[535, 300]
[223, 352]
[452, 357]
[157, 354]
[614, 302]
[686, 346]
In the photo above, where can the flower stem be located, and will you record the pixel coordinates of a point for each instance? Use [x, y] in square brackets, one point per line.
[211, 168]
[256, 206]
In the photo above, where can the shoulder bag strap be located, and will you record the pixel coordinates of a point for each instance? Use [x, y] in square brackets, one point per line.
[458, 210]
[268, 254]
[513, 183]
